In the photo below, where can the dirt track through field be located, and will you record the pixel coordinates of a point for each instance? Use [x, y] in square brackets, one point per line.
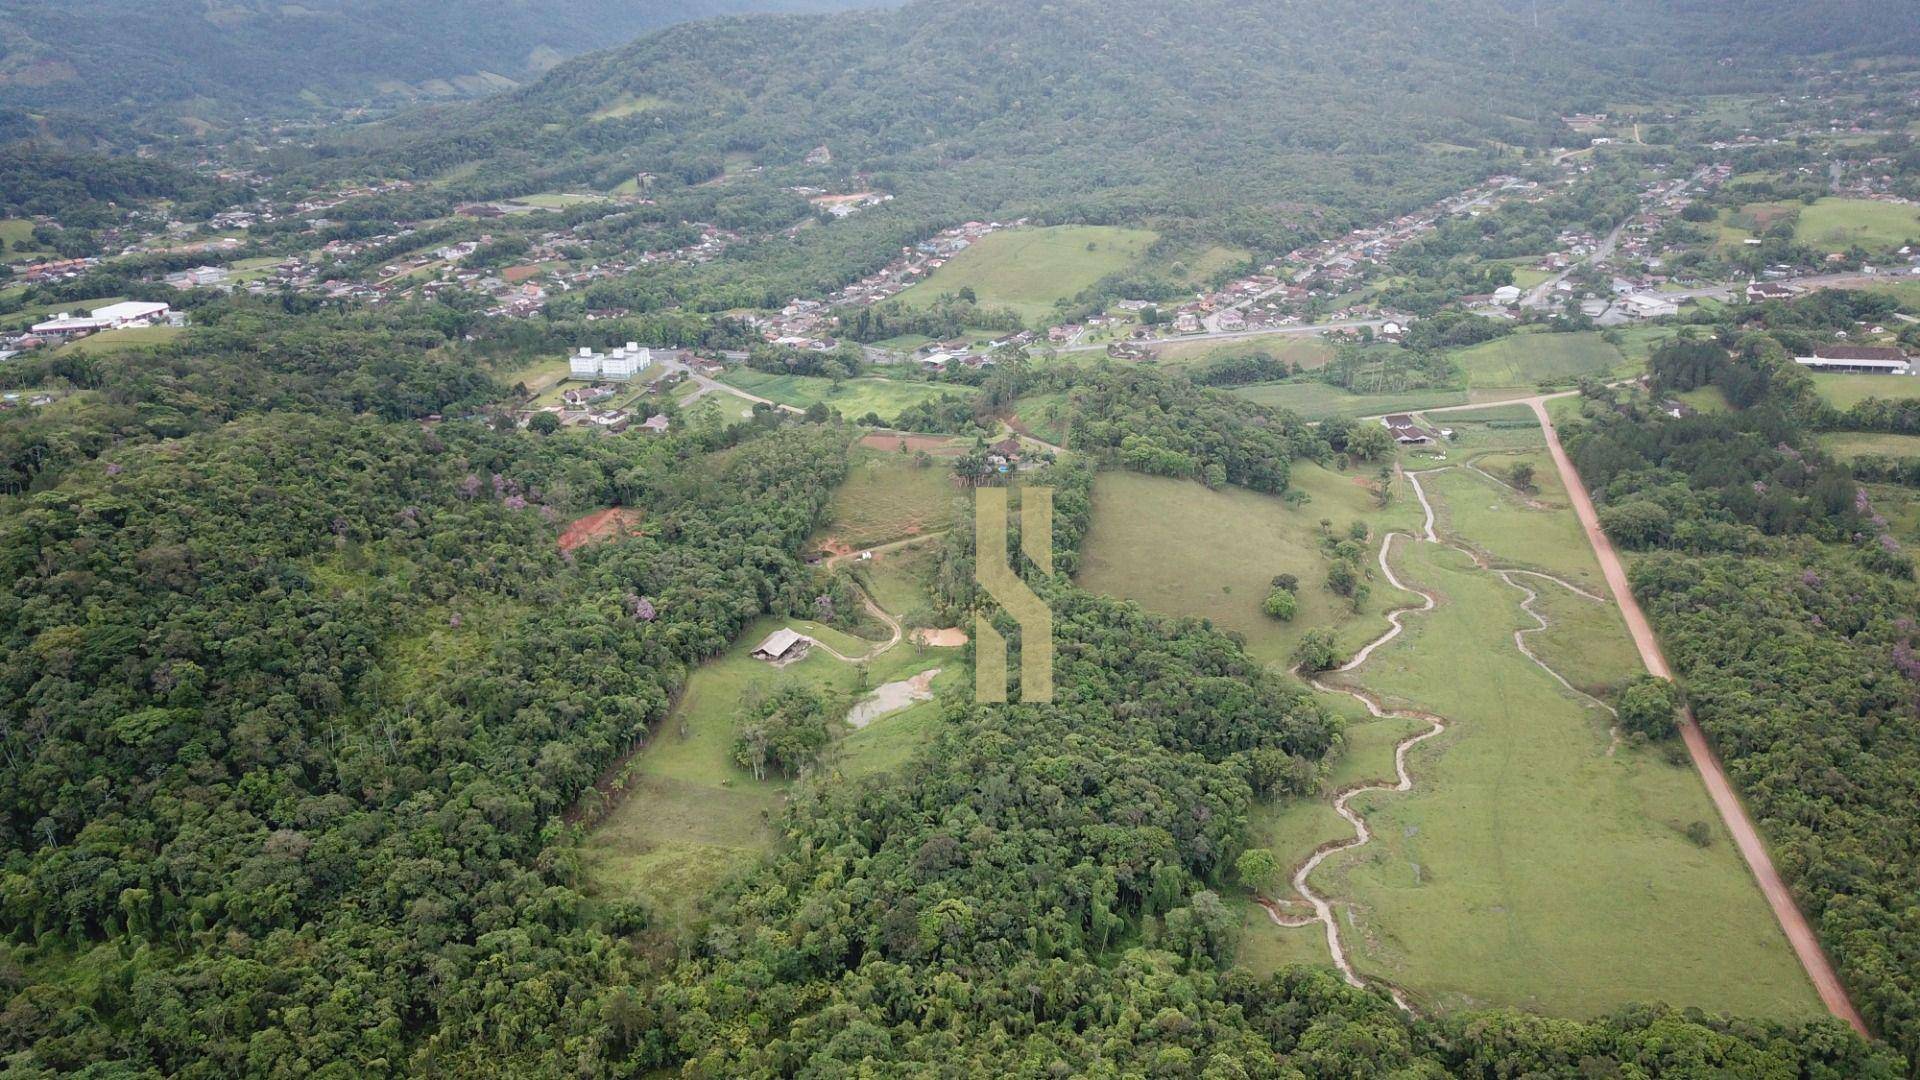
[1403, 779]
[1806, 944]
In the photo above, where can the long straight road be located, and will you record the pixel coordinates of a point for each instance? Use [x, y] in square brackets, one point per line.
[1806, 945]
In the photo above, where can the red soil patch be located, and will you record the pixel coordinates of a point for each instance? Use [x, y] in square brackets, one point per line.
[600, 527]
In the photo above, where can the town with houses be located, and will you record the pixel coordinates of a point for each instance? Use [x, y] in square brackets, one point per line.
[516, 255]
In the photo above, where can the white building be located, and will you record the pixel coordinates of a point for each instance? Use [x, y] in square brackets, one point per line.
[584, 364]
[133, 313]
[1857, 359]
[620, 365]
[1506, 295]
[1649, 306]
[623, 364]
[67, 325]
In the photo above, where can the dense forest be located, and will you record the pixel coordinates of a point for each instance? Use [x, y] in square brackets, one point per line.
[296, 702]
[1788, 609]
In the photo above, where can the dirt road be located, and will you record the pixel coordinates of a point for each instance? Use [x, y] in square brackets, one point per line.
[1806, 945]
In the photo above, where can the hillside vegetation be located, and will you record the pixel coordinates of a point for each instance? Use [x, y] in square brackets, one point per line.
[220, 59]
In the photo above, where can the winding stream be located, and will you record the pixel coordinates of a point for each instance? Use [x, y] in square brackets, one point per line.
[1403, 779]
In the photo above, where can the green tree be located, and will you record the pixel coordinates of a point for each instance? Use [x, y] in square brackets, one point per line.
[1650, 706]
[1281, 604]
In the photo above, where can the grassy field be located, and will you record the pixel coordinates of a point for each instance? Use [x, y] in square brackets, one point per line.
[1180, 549]
[1045, 415]
[1707, 399]
[1530, 866]
[630, 106]
[1847, 445]
[1318, 401]
[1029, 269]
[116, 341]
[853, 398]
[887, 497]
[1527, 360]
[1846, 391]
[1836, 224]
[1304, 351]
[690, 816]
[17, 233]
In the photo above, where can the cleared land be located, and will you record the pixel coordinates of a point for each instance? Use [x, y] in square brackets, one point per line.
[1846, 391]
[17, 233]
[1529, 866]
[1029, 270]
[1847, 445]
[1304, 351]
[888, 497]
[1178, 548]
[116, 341]
[689, 816]
[1835, 224]
[853, 398]
[1319, 401]
[1526, 360]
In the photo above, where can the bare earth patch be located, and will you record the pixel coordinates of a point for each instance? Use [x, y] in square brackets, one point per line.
[600, 527]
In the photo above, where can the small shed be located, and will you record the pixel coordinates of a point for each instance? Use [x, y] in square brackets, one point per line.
[782, 645]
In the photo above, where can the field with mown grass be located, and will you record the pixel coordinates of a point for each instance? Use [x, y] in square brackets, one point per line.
[853, 398]
[1029, 270]
[1535, 864]
[888, 496]
[1834, 224]
[1846, 391]
[1177, 548]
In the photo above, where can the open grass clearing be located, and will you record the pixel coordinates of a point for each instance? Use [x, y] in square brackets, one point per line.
[1319, 401]
[108, 342]
[690, 816]
[17, 234]
[1533, 359]
[1846, 391]
[1528, 867]
[1834, 224]
[1847, 445]
[1706, 399]
[852, 398]
[1304, 351]
[632, 105]
[1029, 270]
[1177, 548]
[888, 496]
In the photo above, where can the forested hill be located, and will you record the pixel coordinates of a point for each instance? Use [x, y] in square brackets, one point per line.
[1088, 108]
[1120, 106]
[214, 57]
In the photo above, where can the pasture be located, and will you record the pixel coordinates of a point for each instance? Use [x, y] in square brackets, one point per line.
[1320, 401]
[1532, 359]
[1847, 445]
[1534, 864]
[17, 234]
[888, 497]
[852, 398]
[1029, 270]
[109, 342]
[1303, 351]
[688, 816]
[1834, 224]
[1177, 548]
[1846, 391]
